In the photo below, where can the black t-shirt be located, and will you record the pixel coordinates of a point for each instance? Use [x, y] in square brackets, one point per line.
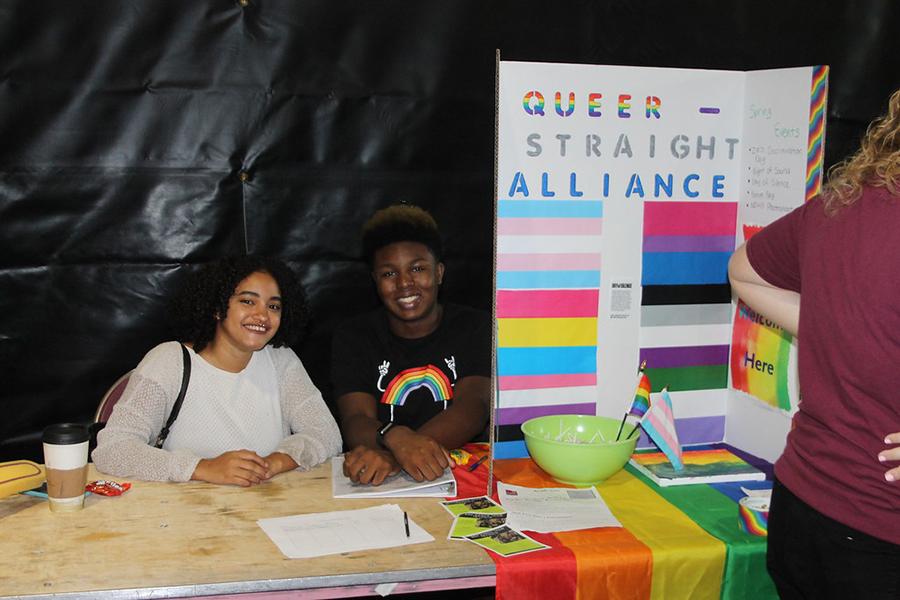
[411, 379]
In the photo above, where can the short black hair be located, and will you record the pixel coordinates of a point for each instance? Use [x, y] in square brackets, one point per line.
[400, 223]
[207, 292]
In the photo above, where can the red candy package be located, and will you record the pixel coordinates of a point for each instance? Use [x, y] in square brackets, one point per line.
[108, 488]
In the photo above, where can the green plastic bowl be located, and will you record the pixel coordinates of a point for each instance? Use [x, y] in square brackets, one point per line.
[577, 449]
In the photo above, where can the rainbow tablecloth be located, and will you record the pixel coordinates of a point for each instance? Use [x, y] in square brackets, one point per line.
[682, 542]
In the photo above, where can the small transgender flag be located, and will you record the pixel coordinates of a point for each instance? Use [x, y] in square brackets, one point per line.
[641, 397]
[659, 424]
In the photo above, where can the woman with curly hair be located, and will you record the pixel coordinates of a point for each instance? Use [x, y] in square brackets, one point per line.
[827, 273]
[250, 410]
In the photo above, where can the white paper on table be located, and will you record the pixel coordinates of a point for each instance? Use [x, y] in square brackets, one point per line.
[318, 534]
[546, 510]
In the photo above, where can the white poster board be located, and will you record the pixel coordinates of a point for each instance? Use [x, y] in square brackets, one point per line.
[620, 191]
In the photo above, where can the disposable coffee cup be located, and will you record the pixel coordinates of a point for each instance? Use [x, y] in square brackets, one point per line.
[65, 459]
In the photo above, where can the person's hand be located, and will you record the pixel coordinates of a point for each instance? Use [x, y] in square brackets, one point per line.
[238, 467]
[279, 462]
[419, 455]
[891, 454]
[369, 466]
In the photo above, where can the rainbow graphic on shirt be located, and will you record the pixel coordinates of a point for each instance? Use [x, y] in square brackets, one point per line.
[410, 380]
[814, 155]
[760, 357]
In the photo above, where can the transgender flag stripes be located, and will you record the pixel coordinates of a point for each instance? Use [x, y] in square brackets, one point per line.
[659, 424]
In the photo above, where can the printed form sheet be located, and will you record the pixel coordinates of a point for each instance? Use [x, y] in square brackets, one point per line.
[547, 510]
[319, 534]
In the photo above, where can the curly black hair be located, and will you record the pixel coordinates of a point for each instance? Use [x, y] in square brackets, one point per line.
[207, 292]
[400, 223]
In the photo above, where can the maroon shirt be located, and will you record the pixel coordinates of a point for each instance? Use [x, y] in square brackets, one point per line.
[847, 270]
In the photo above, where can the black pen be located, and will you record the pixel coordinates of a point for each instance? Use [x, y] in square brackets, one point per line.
[474, 465]
[406, 523]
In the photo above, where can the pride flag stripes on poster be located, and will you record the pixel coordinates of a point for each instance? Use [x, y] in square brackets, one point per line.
[688, 367]
[687, 242]
[815, 153]
[547, 302]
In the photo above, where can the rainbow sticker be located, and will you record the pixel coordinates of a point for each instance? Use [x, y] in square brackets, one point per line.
[408, 381]
[815, 154]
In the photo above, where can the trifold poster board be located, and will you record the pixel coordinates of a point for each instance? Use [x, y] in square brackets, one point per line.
[621, 194]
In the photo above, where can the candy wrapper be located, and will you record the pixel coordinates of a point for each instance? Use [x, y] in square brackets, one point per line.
[105, 487]
[460, 456]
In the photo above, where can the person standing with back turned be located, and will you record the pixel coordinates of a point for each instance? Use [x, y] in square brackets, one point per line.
[828, 273]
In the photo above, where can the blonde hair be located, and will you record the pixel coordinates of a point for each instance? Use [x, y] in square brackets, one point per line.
[876, 163]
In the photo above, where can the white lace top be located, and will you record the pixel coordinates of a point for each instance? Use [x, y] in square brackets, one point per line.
[272, 405]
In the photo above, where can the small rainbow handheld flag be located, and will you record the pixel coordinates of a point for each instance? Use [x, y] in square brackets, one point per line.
[659, 424]
[641, 401]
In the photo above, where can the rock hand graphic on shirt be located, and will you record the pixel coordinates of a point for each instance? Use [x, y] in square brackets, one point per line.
[410, 387]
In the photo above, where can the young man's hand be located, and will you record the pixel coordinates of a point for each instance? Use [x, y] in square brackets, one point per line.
[419, 455]
[369, 466]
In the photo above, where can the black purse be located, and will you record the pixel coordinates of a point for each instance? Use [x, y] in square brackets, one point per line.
[185, 379]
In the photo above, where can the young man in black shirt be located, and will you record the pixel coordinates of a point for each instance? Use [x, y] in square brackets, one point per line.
[412, 379]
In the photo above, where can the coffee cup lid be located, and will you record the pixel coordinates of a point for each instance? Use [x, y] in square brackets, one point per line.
[65, 433]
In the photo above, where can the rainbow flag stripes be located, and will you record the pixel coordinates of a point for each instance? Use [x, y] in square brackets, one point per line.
[815, 155]
[641, 401]
[406, 382]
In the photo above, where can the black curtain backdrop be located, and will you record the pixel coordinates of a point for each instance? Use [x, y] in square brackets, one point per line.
[140, 139]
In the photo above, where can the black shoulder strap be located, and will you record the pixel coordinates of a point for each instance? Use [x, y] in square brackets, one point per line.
[185, 379]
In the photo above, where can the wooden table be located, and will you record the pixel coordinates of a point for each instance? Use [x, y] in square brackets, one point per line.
[166, 540]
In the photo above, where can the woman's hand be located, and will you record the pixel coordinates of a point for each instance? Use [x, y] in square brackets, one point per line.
[279, 462]
[892, 455]
[369, 466]
[238, 467]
